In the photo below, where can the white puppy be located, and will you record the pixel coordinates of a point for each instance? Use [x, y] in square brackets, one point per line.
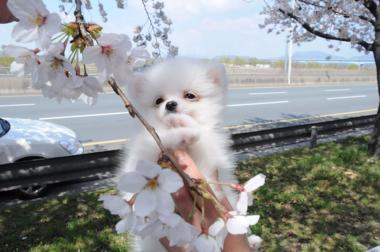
[183, 100]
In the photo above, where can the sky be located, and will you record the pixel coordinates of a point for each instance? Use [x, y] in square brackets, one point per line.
[202, 28]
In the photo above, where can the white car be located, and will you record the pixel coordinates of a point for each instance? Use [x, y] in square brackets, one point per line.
[25, 139]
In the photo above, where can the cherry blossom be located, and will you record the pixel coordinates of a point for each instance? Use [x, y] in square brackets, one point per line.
[36, 23]
[181, 234]
[109, 54]
[219, 231]
[331, 19]
[116, 205]
[89, 87]
[245, 196]
[205, 243]
[152, 186]
[55, 67]
[255, 242]
[238, 224]
[25, 60]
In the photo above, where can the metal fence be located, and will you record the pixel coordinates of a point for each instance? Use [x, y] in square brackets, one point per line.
[104, 164]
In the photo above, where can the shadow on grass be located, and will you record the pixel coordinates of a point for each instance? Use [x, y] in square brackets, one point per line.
[64, 224]
[325, 199]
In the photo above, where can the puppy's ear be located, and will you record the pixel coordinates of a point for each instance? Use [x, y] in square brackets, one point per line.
[217, 73]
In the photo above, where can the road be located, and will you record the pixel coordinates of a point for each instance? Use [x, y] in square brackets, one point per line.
[107, 122]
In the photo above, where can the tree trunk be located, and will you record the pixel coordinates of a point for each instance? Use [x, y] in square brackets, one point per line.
[374, 143]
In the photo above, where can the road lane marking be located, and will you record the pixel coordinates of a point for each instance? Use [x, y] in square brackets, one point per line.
[337, 90]
[81, 116]
[20, 95]
[267, 93]
[346, 97]
[256, 104]
[17, 105]
[106, 142]
[122, 113]
[366, 111]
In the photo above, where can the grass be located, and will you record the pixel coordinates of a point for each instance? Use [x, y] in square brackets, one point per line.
[325, 199]
[63, 224]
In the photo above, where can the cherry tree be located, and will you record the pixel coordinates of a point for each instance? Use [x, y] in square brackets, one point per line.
[353, 21]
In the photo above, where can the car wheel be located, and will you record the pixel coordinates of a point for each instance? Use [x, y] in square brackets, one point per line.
[31, 192]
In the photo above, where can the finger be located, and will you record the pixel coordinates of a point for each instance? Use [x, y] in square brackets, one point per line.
[187, 164]
[184, 207]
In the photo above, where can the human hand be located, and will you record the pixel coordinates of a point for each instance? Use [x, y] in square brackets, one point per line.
[5, 15]
[184, 207]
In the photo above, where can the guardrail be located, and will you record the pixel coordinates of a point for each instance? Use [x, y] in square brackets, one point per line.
[103, 164]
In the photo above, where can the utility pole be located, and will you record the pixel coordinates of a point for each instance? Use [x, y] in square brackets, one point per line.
[290, 49]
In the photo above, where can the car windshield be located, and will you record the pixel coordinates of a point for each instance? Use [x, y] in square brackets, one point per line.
[4, 127]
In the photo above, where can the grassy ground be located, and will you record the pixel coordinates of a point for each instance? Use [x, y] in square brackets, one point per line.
[326, 199]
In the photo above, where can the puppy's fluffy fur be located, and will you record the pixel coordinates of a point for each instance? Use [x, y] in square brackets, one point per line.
[183, 100]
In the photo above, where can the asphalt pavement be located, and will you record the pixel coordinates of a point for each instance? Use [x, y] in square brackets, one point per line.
[108, 122]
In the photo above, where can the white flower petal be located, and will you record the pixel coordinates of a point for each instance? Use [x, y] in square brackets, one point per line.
[22, 33]
[237, 225]
[171, 220]
[115, 204]
[255, 182]
[255, 242]
[169, 181]
[147, 169]
[146, 203]
[242, 203]
[131, 182]
[15, 51]
[252, 219]
[17, 68]
[204, 243]
[53, 24]
[165, 203]
[38, 6]
[126, 225]
[91, 54]
[216, 227]
[22, 9]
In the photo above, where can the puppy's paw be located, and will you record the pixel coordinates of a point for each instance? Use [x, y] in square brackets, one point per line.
[188, 136]
[180, 138]
[179, 121]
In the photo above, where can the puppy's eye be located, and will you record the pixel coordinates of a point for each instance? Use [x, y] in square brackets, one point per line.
[159, 101]
[190, 96]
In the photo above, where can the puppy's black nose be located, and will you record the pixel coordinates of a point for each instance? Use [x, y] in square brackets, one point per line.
[171, 106]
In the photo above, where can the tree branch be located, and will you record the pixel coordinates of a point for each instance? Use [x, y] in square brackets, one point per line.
[345, 15]
[371, 6]
[79, 20]
[367, 46]
[151, 25]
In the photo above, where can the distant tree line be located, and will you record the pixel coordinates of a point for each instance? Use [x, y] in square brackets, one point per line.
[240, 61]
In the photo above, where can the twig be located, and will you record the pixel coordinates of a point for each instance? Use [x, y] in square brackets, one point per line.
[79, 20]
[151, 24]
